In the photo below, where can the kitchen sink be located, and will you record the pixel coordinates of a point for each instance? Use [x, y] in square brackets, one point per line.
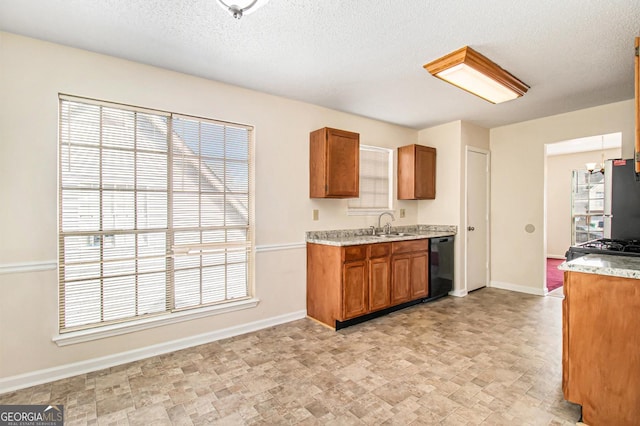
[396, 234]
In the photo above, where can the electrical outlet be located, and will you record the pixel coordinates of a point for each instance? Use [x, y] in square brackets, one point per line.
[401, 212]
[316, 213]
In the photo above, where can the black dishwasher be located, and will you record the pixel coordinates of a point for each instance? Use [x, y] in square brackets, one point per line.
[440, 267]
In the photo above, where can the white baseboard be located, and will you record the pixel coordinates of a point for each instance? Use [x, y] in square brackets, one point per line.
[458, 293]
[21, 381]
[518, 288]
[556, 256]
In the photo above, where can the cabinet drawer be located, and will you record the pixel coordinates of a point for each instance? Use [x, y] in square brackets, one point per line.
[354, 253]
[409, 246]
[380, 250]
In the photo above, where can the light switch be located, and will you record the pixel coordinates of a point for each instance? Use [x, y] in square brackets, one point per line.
[316, 213]
[401, 212]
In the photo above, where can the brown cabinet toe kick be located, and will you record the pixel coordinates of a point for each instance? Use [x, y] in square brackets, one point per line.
[357, 320]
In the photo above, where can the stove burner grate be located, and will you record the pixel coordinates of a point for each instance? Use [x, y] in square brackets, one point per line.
[613, 245]
[605, 246]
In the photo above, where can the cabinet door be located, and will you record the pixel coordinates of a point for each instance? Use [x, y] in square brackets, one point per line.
[343, 164]
[354, 289]
[334, 163]
[379, 283]
[425, 184]
[419, 275]
[400, 280]
[406, 172]
[416, 172]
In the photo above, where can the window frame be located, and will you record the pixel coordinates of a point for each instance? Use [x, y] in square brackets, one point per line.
[367, 211]
[170, 314]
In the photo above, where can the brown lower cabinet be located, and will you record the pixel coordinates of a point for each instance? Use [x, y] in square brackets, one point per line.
[600, 350]
[354, 291]
[410, 271]
[348, 282]
[379, 280]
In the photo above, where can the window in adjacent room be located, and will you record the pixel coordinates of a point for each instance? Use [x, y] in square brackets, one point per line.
[376, 170]
[155, 213]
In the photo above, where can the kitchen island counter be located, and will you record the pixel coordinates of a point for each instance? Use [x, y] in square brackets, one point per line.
[601, 336]
[603, 264]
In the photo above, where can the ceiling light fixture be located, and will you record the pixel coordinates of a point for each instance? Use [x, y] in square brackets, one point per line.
[244, 7]
[477, 74]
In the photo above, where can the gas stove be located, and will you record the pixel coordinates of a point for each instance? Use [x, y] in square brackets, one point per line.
[605, 246]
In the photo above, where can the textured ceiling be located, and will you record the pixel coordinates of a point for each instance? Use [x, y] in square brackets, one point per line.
[364, 56]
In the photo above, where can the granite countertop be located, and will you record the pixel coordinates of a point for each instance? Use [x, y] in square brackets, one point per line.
[352, 237]
[602, 264]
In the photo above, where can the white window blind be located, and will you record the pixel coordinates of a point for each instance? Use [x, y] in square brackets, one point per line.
[375, 180]
[154, 213]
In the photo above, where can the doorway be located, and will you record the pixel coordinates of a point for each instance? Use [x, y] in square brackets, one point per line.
[561, 159]
[477, 218]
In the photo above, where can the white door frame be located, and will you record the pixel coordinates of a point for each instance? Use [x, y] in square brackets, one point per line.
[487, 213]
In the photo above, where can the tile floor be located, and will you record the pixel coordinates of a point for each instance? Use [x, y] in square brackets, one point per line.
[491, 358]
[558, 292]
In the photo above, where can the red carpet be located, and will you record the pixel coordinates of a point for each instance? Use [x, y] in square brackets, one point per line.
[554, 275]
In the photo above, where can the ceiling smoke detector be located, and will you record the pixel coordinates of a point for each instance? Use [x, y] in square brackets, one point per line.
[244, 7]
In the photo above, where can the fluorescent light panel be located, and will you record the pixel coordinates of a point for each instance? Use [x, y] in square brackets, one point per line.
[473, 72]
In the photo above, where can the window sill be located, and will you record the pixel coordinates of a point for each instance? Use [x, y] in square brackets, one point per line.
[112, 330]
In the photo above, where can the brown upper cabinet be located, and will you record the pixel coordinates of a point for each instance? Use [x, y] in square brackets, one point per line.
[334, 164]
[416, 172]
[637, 96]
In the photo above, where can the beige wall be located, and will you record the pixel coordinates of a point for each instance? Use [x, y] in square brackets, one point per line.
[517, 186]
[446, 139]
[445, 208]
[448, 208]
[559, 168]
[32, 73]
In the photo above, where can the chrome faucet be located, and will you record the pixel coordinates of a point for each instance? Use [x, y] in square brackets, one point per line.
[388, 225]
